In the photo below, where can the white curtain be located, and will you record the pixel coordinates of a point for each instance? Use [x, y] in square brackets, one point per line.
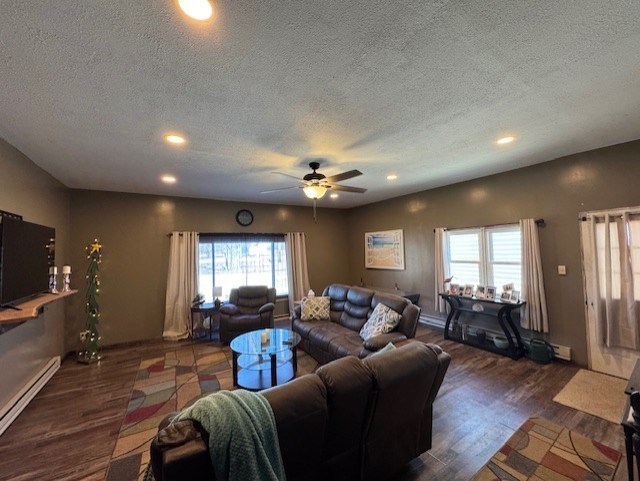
[614, 298]
[534, 316]
[440, 269]
[182, 285]
[297, 271]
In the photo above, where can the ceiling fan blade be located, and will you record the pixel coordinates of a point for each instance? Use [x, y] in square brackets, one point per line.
[278, 190]
[346, 188]
[344, 176]
[290, 176]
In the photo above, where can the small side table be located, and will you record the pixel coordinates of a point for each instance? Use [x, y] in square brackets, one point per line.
[208, 309]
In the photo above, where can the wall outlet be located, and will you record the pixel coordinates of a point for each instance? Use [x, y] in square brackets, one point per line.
[562, 270]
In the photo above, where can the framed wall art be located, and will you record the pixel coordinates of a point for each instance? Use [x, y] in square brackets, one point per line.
[384, 250]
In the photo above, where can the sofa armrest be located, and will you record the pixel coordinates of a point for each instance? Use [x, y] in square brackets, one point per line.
[229, 309]
[269, 306]
[178, 450]
[378, 342]
[297, 312]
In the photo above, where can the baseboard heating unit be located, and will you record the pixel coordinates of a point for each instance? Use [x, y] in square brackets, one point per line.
[19, 402]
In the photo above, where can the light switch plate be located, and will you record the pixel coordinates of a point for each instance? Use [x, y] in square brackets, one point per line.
[562, 270]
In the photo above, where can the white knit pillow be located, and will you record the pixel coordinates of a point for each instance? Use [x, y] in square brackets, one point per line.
[383, 319]
[315, 309]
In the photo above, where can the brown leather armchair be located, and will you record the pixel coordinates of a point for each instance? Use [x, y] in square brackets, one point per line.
[249, 308]
[350, 421]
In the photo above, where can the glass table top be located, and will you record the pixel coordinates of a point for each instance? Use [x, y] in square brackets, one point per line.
[265, 341]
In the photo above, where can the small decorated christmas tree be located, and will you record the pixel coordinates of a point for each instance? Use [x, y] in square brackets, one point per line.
[91, 337]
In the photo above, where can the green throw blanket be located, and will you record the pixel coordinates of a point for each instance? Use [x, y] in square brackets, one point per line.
[243, 441]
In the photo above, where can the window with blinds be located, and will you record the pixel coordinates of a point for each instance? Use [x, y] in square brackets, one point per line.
[487, 256]
[230, 260]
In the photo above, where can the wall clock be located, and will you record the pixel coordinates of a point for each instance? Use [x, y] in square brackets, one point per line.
[244, 217]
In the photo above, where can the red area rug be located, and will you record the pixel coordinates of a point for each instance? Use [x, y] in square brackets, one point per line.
[543, 451]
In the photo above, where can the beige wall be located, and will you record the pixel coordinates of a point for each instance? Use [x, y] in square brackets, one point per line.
[27, 190]
[556, 191]
[132, 229]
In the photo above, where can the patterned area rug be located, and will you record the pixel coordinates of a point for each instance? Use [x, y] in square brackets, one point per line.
[168, 383]
[543, 451]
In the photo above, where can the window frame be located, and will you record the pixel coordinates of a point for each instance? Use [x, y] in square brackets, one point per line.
[486, 262]
[272, 238]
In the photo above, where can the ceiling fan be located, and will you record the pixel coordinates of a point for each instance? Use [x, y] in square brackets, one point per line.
[315, 185]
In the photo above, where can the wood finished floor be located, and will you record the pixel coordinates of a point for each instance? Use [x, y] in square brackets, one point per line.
[69, 430]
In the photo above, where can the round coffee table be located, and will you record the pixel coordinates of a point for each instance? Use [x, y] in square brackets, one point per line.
[264, 358]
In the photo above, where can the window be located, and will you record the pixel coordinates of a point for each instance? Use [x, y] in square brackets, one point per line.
[488, 256]
[237, 260]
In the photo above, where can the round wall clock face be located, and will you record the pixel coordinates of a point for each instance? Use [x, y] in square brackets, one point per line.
[244, 217]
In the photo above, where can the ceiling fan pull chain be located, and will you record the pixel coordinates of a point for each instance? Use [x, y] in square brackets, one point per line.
[315, 220]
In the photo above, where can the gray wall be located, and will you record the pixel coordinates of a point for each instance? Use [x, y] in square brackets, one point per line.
[556, 191]
[132, 229]
[27, 190]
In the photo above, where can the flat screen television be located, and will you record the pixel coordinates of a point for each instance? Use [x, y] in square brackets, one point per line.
[26, 250]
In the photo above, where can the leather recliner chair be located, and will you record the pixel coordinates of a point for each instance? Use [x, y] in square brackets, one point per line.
[249, 308]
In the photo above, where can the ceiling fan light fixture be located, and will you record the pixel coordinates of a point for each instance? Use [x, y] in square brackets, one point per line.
[314, 191]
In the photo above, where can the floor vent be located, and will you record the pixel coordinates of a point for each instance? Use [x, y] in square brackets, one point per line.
[19, 402]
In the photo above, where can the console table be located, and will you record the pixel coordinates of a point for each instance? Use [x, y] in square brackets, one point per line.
[516, 347]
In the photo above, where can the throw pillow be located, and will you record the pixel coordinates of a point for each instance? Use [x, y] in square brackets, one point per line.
[383, 319]
[315, 309]
[388, 347]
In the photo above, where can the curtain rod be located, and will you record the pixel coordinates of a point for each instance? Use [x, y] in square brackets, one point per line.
[539, 223]
[584, 218]
[231, 234]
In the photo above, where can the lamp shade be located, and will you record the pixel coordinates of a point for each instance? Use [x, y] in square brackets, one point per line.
[314, 191]
[217, 291]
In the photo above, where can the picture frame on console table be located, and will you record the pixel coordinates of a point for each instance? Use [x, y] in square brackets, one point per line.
[384, 250]
[490, 293]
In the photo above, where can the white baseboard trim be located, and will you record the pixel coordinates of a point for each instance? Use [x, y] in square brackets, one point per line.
[19, 402]
[561, 352]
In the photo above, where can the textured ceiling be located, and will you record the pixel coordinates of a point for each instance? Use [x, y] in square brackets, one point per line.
[420, 88]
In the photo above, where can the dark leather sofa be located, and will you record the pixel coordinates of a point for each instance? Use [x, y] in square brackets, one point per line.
[350, 307]
[249, 308]
[351, 420]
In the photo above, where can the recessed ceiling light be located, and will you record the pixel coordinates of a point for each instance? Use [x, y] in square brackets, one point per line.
[334, 196]
[505, 140]
[174, 139]
[197, 9]
[168, 179]
[392, 177]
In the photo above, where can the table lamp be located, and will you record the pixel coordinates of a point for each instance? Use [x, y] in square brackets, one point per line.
[217, 292]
